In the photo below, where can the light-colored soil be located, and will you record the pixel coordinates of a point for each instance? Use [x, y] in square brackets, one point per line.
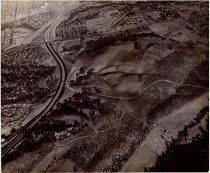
[154, 145]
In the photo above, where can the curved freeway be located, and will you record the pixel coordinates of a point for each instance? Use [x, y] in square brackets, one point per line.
[15, 140]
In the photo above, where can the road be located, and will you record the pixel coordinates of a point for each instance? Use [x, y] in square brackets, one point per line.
[16, 139]
[59, 150]
[28, 39]
[95, 134]
[51, 30]
[19, 135]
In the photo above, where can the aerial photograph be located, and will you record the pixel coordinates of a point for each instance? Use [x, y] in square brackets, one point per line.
[104, 86]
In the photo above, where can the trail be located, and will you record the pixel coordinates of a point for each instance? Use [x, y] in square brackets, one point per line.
[96, 134]
[62, 148]
[144, 90]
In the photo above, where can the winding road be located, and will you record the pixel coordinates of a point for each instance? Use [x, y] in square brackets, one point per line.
[144, 90]
[60, 148]
[94, 134]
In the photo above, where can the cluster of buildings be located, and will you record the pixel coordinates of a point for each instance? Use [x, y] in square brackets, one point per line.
[101, 23]
[200, 21]
[78, 18]
[12, 117]
[87, 19]
[21, 79]
[114, 17]
[35, 21]
[32, 22]
[23, 25]
[6, 37]
[21, 85]
[87, 15]
[187, 3]
[133, 20]
[20, 55]
[9, 8]
[68, 31]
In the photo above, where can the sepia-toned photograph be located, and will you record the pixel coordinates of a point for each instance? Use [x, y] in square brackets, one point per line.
[104, 86]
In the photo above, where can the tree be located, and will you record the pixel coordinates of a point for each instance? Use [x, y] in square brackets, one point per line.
[76, 123]
[75, 169]
[135, 44]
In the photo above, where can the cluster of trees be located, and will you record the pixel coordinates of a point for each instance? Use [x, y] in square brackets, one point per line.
[21, 83]
[82, 76]
[103, 40]
[171, 13]
[77, 103]
[91, 11]
[93, 45]
[86, 101]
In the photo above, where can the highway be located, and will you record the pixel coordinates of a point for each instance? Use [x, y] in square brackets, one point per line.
[11, 143]
[52, 27]
[16, 139]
